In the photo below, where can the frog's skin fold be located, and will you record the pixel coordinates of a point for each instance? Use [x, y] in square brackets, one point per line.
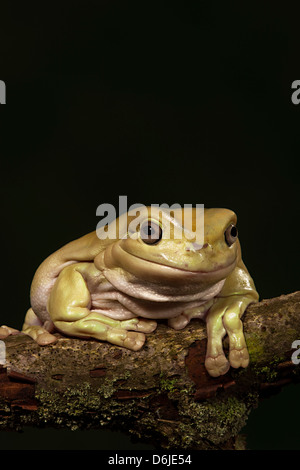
[115, 289]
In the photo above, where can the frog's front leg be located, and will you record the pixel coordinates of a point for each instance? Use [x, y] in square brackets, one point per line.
[70, 310]
[225, 317]
[216, 362]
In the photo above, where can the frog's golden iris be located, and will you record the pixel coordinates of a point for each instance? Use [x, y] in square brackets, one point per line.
[151, 232]
[231, 234]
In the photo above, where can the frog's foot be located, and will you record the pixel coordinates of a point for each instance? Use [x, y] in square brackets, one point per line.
[127, 339]
[40, 332]
[40, 335]
[6, 331]
[217, 365]
[102, 328]
[137, 324]
[239, 357]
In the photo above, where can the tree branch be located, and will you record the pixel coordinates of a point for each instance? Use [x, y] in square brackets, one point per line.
[162, 393]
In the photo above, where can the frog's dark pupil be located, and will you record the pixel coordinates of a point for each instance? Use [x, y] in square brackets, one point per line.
[148, 230]
[151, 233]
[233, 231]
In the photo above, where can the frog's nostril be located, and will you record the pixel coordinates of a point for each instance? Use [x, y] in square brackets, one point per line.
[195, 246]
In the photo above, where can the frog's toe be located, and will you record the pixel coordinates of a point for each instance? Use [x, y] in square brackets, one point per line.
[217, 365]
[239, 357]
[146, 326]
[136, 324]
[178, 323]
[39, 334]
[7, 331]
[134, 341]
[45, 338]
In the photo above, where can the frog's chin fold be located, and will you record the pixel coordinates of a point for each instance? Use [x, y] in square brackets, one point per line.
[115, 257]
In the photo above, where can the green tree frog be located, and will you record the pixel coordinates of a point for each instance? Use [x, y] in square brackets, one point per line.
[115, 289]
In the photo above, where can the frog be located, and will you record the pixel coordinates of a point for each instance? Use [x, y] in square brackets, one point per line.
[117, 285]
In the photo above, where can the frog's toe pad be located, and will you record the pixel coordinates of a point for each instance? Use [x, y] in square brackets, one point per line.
[178, 323]
[134, 341]
[146, 326]
[239, 357]
[217, 365]
[7, 331]
[45, 338]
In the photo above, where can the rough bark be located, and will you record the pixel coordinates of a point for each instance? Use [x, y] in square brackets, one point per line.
[161, 394]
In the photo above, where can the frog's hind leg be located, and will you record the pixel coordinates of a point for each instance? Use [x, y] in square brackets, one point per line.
[71, 314]
[40, 332]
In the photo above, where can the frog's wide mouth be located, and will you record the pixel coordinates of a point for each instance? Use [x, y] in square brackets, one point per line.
[195, 271]
[155, 271]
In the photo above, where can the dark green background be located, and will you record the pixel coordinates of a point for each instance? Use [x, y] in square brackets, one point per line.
[175, 102]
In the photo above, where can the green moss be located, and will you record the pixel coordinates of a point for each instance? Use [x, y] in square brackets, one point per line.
[84, 407]
[216, 420]
[166, 384]
[268, 373]
[255, 349]
[107, 388]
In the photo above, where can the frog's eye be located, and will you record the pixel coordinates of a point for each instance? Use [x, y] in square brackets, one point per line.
[150, 232]
[231, 234]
